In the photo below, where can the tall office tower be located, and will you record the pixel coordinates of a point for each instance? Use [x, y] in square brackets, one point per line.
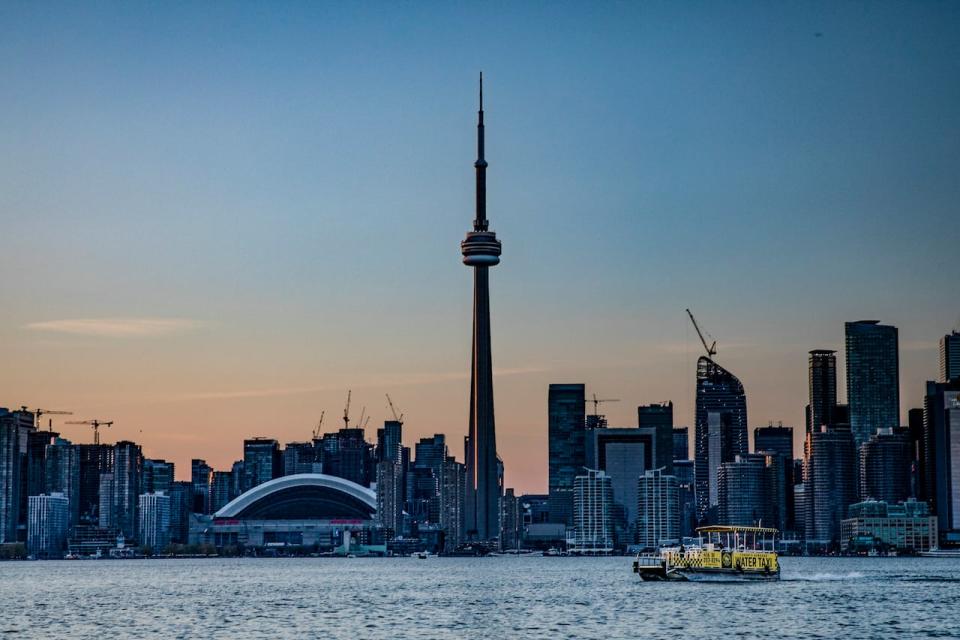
[158, 476]
[659, 416]
[941, 430]
[823, 388]
[481, 250]
[799, 510]
[390, 440]
[261, 461]
[624, 455]
[153, 528]
[201, 475]
[918, 455]
[239, 477]
[107, 510]
[683, 471]
[950, 357]
[774, 440]
[873, 378]
[15, 427]
[423, 504]
[681, 443]
[885, 466]
[430, 453]
[48, 522]
[659, 508]
[221, 490]
[829, 482]
[95, 460]
[566, 421]
[62, 471]
[390, 496]
[35, 469]
[181, 505]
[127, 479]
[744, 488]
[511, 524]
[346, 454]
[718, 392]
[301, 457]
[778, 441]
[593, 513]
[453, 478]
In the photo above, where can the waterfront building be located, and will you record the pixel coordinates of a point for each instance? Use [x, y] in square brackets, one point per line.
[347, 454]
[158, 476]
[15, 426]
[904, 527]
[778, 441]
[719, 392]
[62, 471]
[300, 457]
[262, 461]
[453, 480]
[885, 463]
[822, 383]
[95, 460]
[201, 475]
[566, 421]
[659, 508]
[799, 509]
[744, 492]
[829, 481]
[481, 250]
[221, 489]
[390, 496]
[941, 426]
[48, 524]
[107, 512]
[683, 470]
[181, 506]
[510, 521]
[873, 378]
[659, 418]
[154, 521]
[681, 444]
[950, 357]
[120, 490]
[593, 513]
[34, 470]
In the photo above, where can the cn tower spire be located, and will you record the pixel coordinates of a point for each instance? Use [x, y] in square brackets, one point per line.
[480, 222]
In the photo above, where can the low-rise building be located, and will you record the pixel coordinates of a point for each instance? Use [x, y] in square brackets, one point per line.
[907, 526]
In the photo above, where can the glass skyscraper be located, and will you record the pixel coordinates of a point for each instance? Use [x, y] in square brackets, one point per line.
[873, 378]
[950, 357]
[823, 389]
[567, 448]
[719, 392]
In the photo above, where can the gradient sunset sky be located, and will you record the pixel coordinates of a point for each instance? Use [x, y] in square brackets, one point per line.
[219, 217]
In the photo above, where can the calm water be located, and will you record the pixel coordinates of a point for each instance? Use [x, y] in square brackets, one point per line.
[471, 598]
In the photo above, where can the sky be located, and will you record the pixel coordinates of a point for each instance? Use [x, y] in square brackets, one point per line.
[219, 217]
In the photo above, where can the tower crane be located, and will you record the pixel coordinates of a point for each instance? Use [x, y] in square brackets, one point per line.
[316, 430]
[50, 412]
[96, 424]
[363, 411]
[712, 349]
[393, 410]
[598, 401]
[346, 411]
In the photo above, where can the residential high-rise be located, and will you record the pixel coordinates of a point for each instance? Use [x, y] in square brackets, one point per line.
[829, 482]
[261, 461]
[221, 490]
[681, 443]
[390, 497]
[873, 378]
[659, 508]
[158, 476]
[566, 422]
[719, 392]
[744, 488]
[683, 471]
[778, 441]
[201, 475]
[822, 378]
[511, 523]
[885, 461]
[950, 357]
[481, 250]
[593, 513]
[181, 505]
[347, 454]
[301, 457]
[153, 528]
[774, 440]
[430, 453]
[127, 479]
[62, 469]
[95, 460]
[15, 427]
[452, 485]
[389, 440]
[47, 525]
[659, 417]
[941, 431]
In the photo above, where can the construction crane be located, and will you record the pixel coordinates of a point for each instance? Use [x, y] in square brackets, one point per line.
[363, 411]
[393, 410]
[316, 430]
[346, 411]
[96, 424]
[50, 412]
[598, 401]
[712, 349]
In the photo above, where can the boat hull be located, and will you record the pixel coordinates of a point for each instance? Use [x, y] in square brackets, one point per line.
[661, 574]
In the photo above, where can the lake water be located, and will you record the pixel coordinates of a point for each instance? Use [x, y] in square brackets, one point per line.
[471, 598]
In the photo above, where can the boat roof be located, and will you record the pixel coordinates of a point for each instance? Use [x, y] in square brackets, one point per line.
[720, 528]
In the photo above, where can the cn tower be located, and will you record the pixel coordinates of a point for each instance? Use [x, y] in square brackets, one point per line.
[481, 250]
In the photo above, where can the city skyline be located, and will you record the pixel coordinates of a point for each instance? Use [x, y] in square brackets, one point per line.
[202, 279]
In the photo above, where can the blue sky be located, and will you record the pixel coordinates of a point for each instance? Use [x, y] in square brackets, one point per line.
[283, 187]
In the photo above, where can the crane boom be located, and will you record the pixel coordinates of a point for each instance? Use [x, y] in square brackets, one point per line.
[393, 410]
[316, 430]
[346, 411]
[712, 349]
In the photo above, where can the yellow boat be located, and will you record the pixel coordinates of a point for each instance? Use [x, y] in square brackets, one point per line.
[720, 553]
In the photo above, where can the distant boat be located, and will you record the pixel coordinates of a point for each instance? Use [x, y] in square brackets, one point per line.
[722, 553]
[941, 553]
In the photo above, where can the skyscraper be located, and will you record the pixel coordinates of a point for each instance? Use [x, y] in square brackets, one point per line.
[829, 482]
[721, 393]
[481, 250]
[62, 469]
[201, 475]
[745, 492]
[566, 447]
[873, 378]
[95, 460]
[15, 426]
[593, 513]
[950, 357]
[774, 440]
[659, 416]
[681, 444]
[261, 461]
[941, 435]
[823, 388]
[158, 476]
[47, 525]
[885, 466]
[659, 508]
[127, 479]
[153, 527]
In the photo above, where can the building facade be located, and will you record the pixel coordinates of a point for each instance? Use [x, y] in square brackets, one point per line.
[829, 483]
[885, 466]
[48, 525]
[593, 513]
[950, 357]
[659, 509]
[153, 528]
[566, 420]
[941, 426]
[822, 384]
[873, 378]
[904, 527]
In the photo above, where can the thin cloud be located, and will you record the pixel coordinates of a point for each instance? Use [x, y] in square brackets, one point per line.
[116, 327]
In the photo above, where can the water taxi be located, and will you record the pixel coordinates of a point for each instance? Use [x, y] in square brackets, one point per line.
[719, 553]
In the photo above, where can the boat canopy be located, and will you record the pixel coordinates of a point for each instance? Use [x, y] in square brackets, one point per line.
[734, 529]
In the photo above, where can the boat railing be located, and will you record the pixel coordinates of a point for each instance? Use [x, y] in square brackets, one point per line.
[648, 560]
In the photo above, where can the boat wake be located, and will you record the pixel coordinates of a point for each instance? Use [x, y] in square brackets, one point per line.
[823, 577]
